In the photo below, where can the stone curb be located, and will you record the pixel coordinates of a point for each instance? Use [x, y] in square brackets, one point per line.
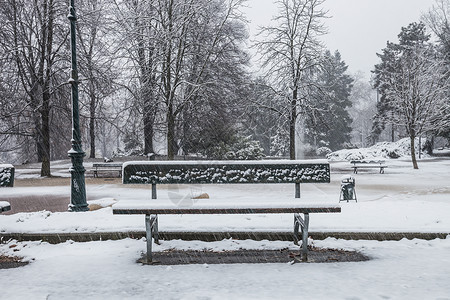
[55, 238]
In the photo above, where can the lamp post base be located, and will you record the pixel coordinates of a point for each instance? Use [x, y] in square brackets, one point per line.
[77, 183]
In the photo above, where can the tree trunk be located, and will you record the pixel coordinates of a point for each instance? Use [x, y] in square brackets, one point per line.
[292, 122]
[92, 104]
[92, 125]
[392, 133]
[45, 133]
[170, 133]
[45, 109]
[148, 127]
[413, 152]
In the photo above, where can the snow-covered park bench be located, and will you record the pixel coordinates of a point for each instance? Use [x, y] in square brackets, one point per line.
[223, 172]
[110, 167]
[368, 164]
[4, 206]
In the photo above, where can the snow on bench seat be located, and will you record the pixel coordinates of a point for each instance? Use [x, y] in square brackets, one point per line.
[148, 207]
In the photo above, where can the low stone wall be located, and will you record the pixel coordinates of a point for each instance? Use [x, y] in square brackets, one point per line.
[6, 175]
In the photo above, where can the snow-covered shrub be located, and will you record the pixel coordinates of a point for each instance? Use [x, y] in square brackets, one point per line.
[247, 149]
[382, 150]
[323, 151]
[242, 148]
[393, 154]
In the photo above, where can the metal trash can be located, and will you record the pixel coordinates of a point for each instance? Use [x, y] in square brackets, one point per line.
[348, 191]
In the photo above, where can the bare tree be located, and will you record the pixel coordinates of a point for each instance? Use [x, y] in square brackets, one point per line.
[194, 36]
[438, 20]
[289, 49]
[32, 38]
[139, 52]
[175, 46]
[96, 62]
[414, 83]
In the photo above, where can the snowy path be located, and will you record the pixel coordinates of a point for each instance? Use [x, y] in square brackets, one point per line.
[402, 200]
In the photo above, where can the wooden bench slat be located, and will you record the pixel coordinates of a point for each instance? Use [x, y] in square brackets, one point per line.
[105, 165]
[230, 210]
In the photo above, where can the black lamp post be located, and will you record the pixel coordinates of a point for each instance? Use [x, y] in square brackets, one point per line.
[77, 183]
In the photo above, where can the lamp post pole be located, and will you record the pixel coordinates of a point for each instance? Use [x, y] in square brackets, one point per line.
[77, 183]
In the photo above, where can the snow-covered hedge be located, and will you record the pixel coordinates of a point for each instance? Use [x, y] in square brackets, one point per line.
[6, 175]
[382, 150]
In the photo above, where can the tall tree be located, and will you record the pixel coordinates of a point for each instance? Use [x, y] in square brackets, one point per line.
[140, 53]
[331, 126]
[412, 82]
[290, 49]
[438, 20]
[195, 36]
[32, 38]
[179, 50]
[96, 65]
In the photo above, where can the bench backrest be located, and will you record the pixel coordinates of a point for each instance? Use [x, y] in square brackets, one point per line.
[106, 165]
[250, 171]
[355, 162]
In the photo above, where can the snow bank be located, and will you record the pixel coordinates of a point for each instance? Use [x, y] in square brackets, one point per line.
[382, 150]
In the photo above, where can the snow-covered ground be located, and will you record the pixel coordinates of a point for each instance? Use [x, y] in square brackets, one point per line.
[407, 269]
[402, 199]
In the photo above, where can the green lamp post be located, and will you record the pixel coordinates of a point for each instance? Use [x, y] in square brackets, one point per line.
[77, 183]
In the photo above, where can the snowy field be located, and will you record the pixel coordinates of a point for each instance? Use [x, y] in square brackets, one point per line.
[402, 199]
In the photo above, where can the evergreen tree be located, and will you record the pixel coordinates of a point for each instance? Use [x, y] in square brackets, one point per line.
[331, 126]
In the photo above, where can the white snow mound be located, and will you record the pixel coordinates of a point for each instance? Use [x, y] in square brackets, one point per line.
[382, 150]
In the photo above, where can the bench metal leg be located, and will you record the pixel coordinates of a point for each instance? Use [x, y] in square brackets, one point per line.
[154, 191]
[148, 233]
[305, 238]
[297, 221]
[154, 226]
[297, 190]
[151, 231]
[304, 225]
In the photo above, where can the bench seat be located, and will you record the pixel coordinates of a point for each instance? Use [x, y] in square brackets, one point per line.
[149, 207]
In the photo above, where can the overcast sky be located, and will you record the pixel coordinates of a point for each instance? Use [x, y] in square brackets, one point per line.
[358, 28]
